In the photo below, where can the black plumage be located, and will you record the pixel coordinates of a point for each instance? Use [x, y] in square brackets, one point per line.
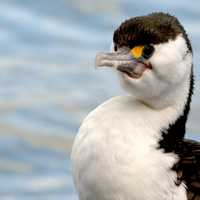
[154, 28]
[188, 167]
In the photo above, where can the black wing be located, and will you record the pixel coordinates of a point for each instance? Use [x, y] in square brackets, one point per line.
[188, 168]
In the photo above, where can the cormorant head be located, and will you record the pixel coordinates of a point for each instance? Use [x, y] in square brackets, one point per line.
[153, 56]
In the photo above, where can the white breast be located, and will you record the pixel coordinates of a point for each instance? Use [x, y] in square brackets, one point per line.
[114, 156]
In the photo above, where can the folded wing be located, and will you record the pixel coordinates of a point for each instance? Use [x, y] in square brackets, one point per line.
[188, 168]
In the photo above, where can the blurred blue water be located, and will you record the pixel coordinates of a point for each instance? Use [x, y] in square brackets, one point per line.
[48, 84]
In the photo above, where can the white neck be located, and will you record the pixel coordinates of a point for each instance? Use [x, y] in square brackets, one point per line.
[175, 98]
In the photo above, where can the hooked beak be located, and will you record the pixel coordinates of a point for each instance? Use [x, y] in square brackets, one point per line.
[123, 62]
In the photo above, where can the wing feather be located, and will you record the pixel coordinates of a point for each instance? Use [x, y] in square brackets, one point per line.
[188, 167]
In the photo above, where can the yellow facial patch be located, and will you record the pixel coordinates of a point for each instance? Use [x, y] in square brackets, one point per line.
[136, 52]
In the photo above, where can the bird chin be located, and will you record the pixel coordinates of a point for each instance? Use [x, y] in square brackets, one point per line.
[134, 73]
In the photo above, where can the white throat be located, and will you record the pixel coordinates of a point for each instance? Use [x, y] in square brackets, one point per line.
[175, 97]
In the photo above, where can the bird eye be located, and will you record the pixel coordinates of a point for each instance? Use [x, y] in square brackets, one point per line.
[147, 51]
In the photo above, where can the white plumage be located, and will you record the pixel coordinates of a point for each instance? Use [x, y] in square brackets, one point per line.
[115, 154]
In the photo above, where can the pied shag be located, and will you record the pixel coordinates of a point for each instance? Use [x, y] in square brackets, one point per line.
[133, 147]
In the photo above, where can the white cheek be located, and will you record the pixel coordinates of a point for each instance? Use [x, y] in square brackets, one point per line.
[170, 61]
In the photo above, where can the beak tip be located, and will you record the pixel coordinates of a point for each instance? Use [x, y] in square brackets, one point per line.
[98, 61]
